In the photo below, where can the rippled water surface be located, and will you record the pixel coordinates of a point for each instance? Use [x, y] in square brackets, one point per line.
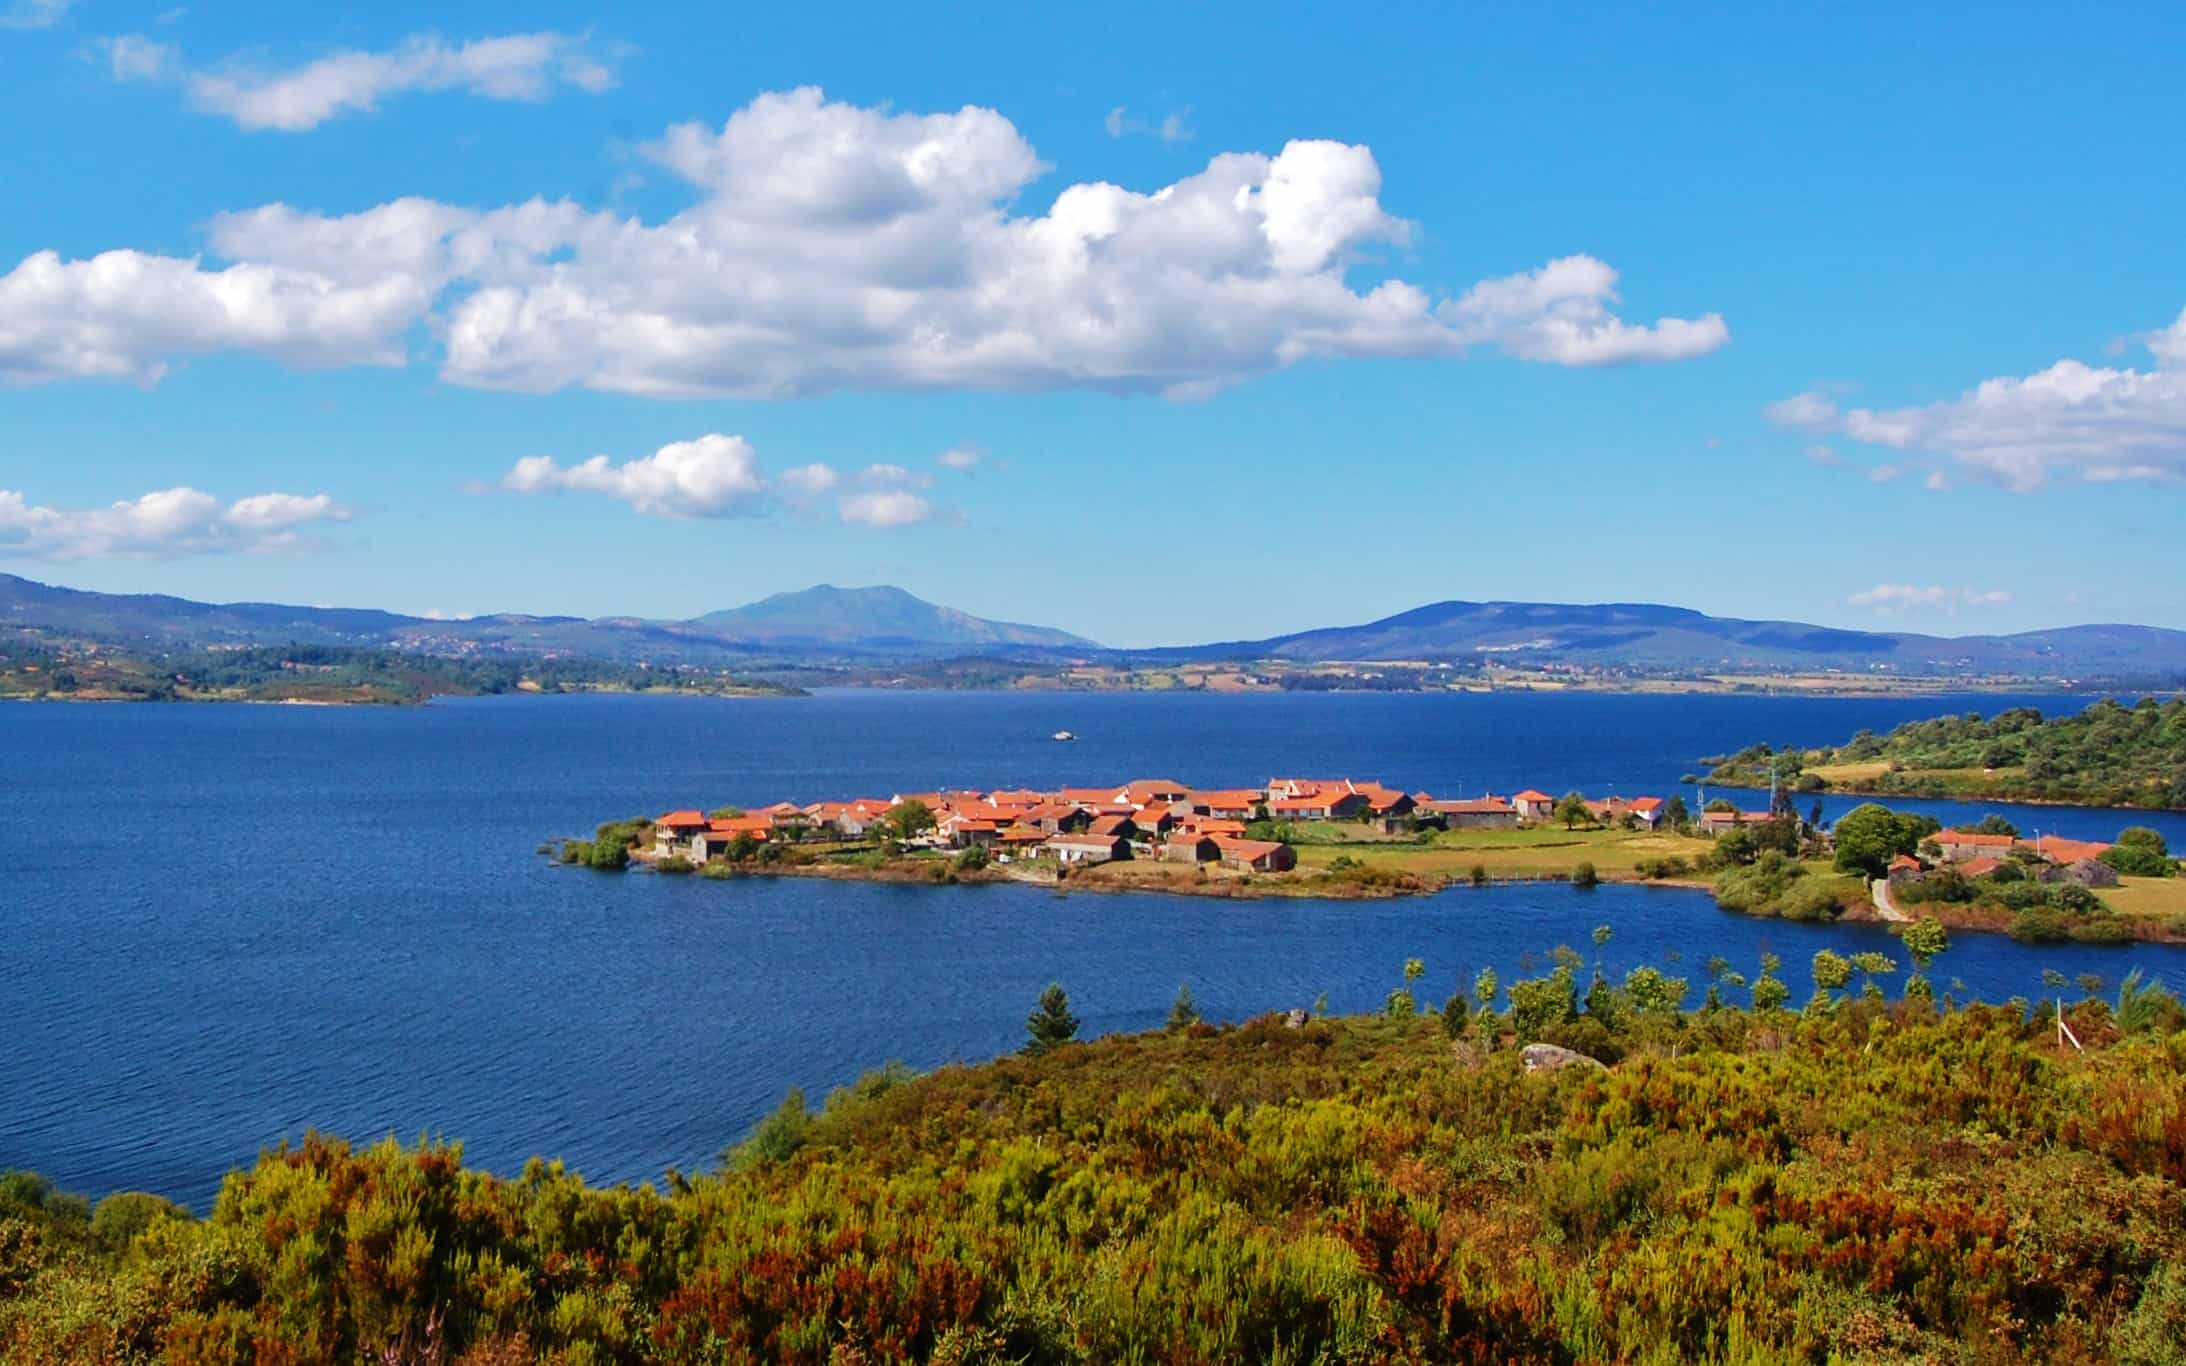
[222, 924]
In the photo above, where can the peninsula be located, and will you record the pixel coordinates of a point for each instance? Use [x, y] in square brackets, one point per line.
[1344, 839]
[2110, 755]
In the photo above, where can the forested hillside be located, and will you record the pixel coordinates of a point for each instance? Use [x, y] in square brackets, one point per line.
[2111, 754]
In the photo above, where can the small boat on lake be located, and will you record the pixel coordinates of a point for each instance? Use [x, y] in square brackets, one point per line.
[1063, 735]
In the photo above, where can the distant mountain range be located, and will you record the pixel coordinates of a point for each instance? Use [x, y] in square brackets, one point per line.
[827, 624]
[823, 622]
[1645, 636]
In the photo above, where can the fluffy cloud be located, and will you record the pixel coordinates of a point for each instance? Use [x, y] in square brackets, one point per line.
[1906, 597]
[1560, 313]
[714, 476]
[29, 14]
[836, 247]
[520, 66]
[885, 508]
[810, 480]
[170, 522]
[720, 476]
[962, 459]
[125, 315]
[2101, 424]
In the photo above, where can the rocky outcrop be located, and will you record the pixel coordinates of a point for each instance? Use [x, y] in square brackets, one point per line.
[1547, 1057]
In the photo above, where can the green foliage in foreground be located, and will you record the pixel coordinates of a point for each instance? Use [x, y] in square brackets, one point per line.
[1859, 1182]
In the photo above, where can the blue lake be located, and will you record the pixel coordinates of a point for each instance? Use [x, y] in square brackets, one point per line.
[222, 924]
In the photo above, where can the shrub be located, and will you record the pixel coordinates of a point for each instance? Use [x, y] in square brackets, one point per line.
[1758, 888]
[2134, 860]
[2073, 899]
[774, 1139]
[971, 860]
[1583, 874]
[1810, 899]
[2102, 929]
[120, 1217]
[2040, 926]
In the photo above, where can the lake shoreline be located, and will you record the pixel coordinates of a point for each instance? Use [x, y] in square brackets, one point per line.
[1970, 799]
[1320, 887]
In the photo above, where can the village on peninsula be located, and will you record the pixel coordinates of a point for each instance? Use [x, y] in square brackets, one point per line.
[1336, 837]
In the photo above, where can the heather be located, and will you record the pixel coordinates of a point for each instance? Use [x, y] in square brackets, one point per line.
[1860, 1180]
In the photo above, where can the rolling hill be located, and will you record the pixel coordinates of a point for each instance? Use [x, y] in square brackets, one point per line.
[1648, 636]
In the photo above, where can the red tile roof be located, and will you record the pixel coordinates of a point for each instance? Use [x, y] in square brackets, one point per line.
[1249, 850]
[744, 825]
[687, 820]
[2063, 850]
[1213, 825]
[1974, 839]
[1530, 795]
[1228, 798]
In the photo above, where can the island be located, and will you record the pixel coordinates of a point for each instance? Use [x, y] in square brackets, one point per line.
[2110, 755]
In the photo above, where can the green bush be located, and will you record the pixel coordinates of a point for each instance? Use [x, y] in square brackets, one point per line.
[120, 1217]
[2136, 860]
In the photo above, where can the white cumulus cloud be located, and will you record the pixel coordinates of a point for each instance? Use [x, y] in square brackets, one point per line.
[831, 246]
[127, 315]
[1560, 313]
[962, 459]
[2102, 424]
[517, 66]
[713, 476]
[810, 480]
[163, 524]
[885, 508]
[1906, 597]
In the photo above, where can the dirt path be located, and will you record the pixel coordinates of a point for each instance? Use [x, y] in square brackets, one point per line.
[1879, 891]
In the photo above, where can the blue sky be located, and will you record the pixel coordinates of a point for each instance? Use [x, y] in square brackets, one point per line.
[1833, 314]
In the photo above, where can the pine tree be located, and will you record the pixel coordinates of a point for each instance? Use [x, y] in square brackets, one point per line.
[1051, 1024]
[1183, 1011]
